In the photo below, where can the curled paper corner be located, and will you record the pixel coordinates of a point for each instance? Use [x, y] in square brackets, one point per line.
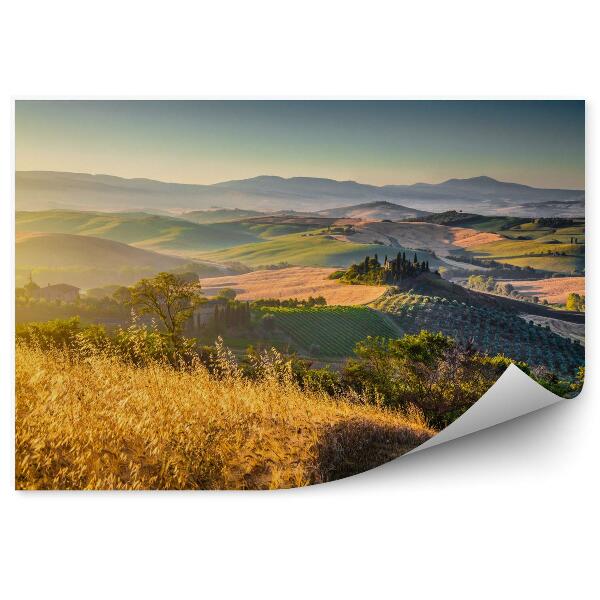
[513, 395]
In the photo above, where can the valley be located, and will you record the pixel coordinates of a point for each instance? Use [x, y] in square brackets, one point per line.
[261, 258]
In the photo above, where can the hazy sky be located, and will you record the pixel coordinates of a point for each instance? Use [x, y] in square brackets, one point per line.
[539, 143]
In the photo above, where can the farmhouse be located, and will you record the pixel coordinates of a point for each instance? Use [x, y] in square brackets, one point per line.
[59, 291]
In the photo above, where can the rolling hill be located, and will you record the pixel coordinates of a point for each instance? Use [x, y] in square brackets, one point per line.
[550, 255]
[455, 218]
[36, 190]
[316, 248]
[85, 261]
[219, 215]
[152, 232]
[374, 211]
[490, 329]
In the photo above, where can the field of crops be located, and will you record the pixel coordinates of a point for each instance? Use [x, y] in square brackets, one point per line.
[493, 331]
[331, 331]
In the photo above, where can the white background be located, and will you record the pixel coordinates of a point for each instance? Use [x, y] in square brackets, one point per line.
[508, 513]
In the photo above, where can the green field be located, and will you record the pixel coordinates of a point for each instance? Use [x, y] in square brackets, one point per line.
[554, 264]
[308, 249]
[331, 331]
[492, 331]
[299, 249]
[515, 248]
[543, 253]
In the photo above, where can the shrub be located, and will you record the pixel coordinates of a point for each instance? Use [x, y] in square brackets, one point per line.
[429, 371]
[50, 334]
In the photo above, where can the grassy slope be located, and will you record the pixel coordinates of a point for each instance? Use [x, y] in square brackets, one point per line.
[108, 425]
[141, 229]
[305, 250]
[533, 253]
[85, 261]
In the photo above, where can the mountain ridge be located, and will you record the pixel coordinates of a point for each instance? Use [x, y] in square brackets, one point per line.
[54, 189]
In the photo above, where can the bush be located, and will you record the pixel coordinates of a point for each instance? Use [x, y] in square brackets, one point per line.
[58, 333]
[429, 371]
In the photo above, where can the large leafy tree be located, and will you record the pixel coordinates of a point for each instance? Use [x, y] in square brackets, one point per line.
[169, 298]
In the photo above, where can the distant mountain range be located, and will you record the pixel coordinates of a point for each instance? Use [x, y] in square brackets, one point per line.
[38, 190]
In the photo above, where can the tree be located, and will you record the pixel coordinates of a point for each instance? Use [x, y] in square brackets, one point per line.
[575, 302]
[168, 298]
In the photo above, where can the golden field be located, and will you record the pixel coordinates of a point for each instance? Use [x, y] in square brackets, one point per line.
[96, 422]
[554, 290]
[294, 282]
[441, 239]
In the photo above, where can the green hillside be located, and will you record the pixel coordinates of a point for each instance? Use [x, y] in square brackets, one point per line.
[271, 230]
[534, 231]
[155, 232]
[85, 261]
[308, 249]
[539, 254]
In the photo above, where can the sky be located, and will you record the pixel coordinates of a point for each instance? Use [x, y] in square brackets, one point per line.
[539, 143]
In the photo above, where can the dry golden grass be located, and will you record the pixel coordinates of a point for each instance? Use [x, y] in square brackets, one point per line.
[98, 423]
[441, 239]
[555, 290]
[464, 237]
[295, 282]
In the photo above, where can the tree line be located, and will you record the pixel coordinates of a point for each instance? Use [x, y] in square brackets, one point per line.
[392, 271]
